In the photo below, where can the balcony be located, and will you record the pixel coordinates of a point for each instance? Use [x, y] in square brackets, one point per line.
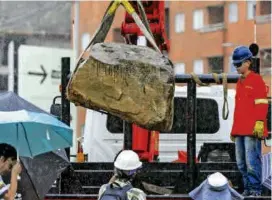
[212, 27]
[263, 19]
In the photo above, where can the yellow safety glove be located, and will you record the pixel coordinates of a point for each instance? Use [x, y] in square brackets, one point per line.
[258, 130]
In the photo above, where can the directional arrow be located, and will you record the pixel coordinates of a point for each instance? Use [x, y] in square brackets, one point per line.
[44, 74]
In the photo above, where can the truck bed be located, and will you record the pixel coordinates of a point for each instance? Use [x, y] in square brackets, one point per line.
[149, 197]
[83, 180]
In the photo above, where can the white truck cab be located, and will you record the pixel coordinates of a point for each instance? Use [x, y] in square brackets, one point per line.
[103, 138]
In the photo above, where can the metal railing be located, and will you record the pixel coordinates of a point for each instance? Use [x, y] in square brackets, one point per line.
[263, 19]
[191, 118]
[212, 27]
[151, 197]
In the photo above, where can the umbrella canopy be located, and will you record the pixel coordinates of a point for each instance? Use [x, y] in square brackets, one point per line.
[9, 101]
[31, 130]
[40, 173]
[33, 133]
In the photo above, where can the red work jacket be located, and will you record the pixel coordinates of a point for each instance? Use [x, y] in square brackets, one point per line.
[246, 113]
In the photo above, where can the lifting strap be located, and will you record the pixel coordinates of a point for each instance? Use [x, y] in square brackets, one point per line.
[225, 109]
[103, 29]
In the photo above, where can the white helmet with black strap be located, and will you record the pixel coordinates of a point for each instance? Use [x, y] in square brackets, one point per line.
[127, 162]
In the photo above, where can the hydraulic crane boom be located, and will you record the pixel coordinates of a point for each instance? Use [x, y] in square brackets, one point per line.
[155, 12]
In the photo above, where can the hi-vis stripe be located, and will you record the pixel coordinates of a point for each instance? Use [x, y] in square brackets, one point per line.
[262, 101]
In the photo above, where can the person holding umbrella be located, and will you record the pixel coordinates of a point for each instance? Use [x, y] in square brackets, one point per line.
[8, 162]
[37, 137]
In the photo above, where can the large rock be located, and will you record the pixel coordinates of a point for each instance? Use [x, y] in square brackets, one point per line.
[132, 82]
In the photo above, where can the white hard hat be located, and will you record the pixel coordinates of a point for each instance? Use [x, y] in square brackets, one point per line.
[127, 160]
[217, 180]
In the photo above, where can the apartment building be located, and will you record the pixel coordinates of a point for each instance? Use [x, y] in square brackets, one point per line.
[205, 33]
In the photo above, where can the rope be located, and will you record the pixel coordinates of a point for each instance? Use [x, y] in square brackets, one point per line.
[225, 109]
[215, 77]
[225, 112]
[197, 80]
[99, 36]
[103, 29]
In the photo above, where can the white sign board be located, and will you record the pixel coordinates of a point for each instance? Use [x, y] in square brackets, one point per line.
[39, 75]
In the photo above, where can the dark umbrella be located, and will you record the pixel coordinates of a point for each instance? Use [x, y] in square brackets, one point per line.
[40, 173]
[9, 101]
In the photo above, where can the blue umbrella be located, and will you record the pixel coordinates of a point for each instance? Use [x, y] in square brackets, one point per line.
[28, 128]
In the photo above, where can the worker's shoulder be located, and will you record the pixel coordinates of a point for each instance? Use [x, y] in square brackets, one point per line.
[102, 189]
[136, 194]
[257, 78]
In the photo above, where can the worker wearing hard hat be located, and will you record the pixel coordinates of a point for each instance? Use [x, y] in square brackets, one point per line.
[126, 166]
[249, 122]
[215, 187]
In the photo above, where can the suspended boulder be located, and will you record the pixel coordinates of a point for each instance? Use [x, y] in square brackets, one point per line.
[132, 82]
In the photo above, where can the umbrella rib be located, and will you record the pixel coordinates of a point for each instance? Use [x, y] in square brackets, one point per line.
[60, 135]
[27, 139]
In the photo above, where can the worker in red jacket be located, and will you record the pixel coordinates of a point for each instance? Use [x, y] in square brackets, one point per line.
[249, 123]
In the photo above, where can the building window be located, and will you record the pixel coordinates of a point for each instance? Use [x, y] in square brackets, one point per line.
[233, 12]
[198, 19]
[216, 14]
[251, 9]
[198, 66]
[117, 36]
[85, 40]
[265, 7]
[216, 64]
[141, 41]
[179, 68]
[179, 23]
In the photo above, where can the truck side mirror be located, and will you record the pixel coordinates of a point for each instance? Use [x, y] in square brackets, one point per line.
[55, 108]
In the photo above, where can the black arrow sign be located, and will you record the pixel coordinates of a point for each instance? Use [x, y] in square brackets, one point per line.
[44, 74]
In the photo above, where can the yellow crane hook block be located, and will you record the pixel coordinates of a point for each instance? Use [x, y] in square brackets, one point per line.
[132, 82]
